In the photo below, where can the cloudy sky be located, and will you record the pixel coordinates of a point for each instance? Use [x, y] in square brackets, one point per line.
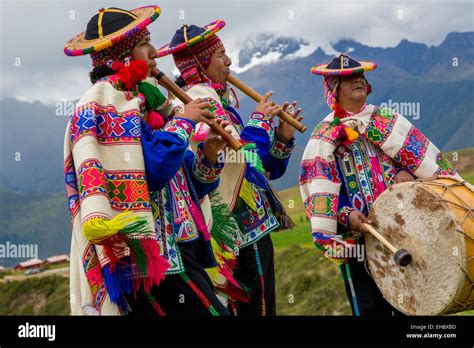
[33, 33]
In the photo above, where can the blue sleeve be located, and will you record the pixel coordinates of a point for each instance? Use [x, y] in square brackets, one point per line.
[274, 153]
[163, 153]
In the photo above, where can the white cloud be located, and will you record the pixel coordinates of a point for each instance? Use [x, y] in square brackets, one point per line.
[45, 26]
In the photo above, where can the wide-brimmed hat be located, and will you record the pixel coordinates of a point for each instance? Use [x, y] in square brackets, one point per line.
[109, 27]
[342, 66]
[188, 36]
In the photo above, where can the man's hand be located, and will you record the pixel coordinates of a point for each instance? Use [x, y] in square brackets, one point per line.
[265, 106]
[214, 143]
[284, 131]
[195, 111]
[356, 221]
[403, 176]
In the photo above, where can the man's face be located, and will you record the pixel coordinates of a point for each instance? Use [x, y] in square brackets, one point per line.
[144, 50]
[218, 69]
[352, 88]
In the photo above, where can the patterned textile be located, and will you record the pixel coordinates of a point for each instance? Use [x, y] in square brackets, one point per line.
[366, 172]
[107, 193]
[249, 222]
[259, 130]
[320, 181]
[280, 149]
[330, 90]
[255, 222]
[193, 62]
[119, 51]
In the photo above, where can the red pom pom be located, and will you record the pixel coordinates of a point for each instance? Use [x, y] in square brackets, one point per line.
[155, 120]
[339, 112]
[116, 66]
[133, 73]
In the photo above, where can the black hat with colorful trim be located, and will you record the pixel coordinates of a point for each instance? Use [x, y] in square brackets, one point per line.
[343, 65]
[188, 36]
[109, 27]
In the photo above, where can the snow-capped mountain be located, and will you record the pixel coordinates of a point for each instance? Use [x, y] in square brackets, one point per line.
[266, 48]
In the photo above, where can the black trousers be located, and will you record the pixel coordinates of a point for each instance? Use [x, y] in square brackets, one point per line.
[362, 291]
[262, 297]
[176, 296]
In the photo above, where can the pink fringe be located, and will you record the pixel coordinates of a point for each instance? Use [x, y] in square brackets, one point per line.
[156, 266]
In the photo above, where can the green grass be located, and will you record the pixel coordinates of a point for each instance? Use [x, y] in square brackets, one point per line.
[469, 177]
[299, 235]
[308, 284]
[48, 295]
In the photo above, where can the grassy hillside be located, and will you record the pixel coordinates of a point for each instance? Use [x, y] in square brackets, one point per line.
[47, 295]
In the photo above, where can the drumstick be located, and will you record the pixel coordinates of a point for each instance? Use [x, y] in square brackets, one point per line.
[164, 81]
[257, 97]
[401, 256]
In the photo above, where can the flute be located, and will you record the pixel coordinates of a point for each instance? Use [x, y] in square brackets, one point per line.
[257, 97]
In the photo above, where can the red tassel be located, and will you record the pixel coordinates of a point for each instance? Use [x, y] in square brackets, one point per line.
[339, 112]
[133, 72]
[156, 265]
[116, 66]
[155, 120]
[112, 246]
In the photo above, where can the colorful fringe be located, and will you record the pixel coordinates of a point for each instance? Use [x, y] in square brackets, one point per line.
[225, 229]
[222, 278]
[144, 268]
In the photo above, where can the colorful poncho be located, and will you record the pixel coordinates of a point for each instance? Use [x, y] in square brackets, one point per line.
[114, 248]
[320, 182]
[243, 192]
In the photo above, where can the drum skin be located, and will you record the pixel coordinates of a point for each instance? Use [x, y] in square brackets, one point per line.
[433, 220]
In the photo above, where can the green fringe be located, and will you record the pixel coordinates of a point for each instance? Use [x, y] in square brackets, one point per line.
[153, 96]
[139, 254]
[224, 227]
[138, 227]
[251, 156]
[335, 122]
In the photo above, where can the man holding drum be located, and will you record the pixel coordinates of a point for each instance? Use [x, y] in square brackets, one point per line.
[353, 155]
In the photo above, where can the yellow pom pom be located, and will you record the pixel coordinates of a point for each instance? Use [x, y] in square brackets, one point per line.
[98, 229]
[351, 134]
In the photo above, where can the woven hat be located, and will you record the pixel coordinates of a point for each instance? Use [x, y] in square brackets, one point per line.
[188, 36]
[109, 27]
[342, 66]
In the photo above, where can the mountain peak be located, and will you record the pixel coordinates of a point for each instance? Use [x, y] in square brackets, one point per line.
[265, 48]
[464, 39]
[404, 44]
[346, 45]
